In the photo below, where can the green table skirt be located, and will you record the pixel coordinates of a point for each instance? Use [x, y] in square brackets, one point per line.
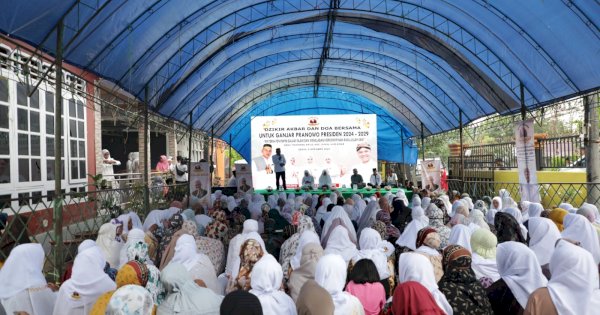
[346, 192]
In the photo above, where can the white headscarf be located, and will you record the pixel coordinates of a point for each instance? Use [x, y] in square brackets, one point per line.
[265, 281]
[184, 296]
[133, 237]
[417, 267]
[460, 235]
[306, 238]
[369, 216]
[198, 264]
[424, 202]
[469, 203]
[408, 238]
[446, 200]
[567, 206]
[359, 207]
[88, 280]
[543, 235]
[339, 243]
[520, 269]
[155, 217]
[516, 213]
[507, 201]
[371, 247]
[491, 214]
[22, 271]
[592, 208]
[534, 209]
[324, 179]
[476, 217]
[331, 275]
[401, 195]
[338, 216]
[110, 247]
[573, 287]
[578, 228]
[322, 209]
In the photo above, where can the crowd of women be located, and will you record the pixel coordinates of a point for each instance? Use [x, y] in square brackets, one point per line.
[318, 254]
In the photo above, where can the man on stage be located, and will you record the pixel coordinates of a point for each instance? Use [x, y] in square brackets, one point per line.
[279, 163]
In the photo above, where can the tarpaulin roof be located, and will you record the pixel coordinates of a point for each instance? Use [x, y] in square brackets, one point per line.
[420, 62]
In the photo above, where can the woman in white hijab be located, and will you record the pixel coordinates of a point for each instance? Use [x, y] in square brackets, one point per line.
[507, 201]
[311, 253]
[408, 238]
[483, 258]
[307, 237]
[24, 288]
[372, 247]
[325, 179]
[339, 243]
[524, 206]
[516, 213]
[331, 275]
[184, 296]
[477, 221]
[196, 263]
[520, 270]
[460, 235]
[402, 196]
[416, 267]
[568, 207]
[266, 283]
[359, 207]
[338, 216]
[88, 281]
[369, 216]
[446, 200]
[591, 208]
[573, 288]
[534, 210]
[108, 244]
[578, 228]
[135, 236]
[494, 208]
[322, 209]
[424, 202]
[236, 243]
[543, 235]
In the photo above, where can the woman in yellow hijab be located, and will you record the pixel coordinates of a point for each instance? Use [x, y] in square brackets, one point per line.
[132, 273]
[557, 216]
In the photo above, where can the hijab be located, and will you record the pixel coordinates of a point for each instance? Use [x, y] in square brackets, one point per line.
[241, 302]
[412, 298]
[534, 210]
[459, 285]
[307, 237]
[314, 300]
[266, 281]
[339, 243]
[359, 207]
[184, 296]
[476, 217]
[337, 217]
[134, 236]
[507, 228]
[108, 243]
[369, 216]
[416, 267]
[235, 244]
[186, 254]
[401, 215]
[331, 275]
[130, 299]
[483, 244]
[578, 228]
[507, 201]
[322, 209]
[491, 214]
[573, 287]
[163, 164]
[311, 253]
[520, 270]
[460, 235]
[390, 229]
[591, 208]
[566, 206]
[557, 215]
[516, 213]
[419, 221]
[543, 235]
[372, 247]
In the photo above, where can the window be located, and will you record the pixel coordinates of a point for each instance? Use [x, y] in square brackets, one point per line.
[4, 132]
[77, 145]
[28, 136]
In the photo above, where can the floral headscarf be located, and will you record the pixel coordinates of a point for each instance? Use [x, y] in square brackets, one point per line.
[381, 228]
[218, 229]
[250, 253]
[139, 252]
[385, 217]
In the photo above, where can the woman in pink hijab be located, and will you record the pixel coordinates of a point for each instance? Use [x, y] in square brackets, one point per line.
[163, 164]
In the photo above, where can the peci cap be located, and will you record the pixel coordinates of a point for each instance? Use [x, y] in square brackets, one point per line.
[363, 145]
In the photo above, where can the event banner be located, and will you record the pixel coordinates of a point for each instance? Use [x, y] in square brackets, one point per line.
[528, 184]
[243, 174]
[200, 185]
[430, 173]
[335, 143]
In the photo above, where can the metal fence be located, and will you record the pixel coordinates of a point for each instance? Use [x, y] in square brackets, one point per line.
[31, 219]
[551, 194]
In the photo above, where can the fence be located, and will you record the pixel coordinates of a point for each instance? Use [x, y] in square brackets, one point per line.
[551, 194]
[82, 215]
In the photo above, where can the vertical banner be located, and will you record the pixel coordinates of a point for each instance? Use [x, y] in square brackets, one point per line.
[525, 150]
[336, 144]
[430, 173]
[243, 172]
[200, 186]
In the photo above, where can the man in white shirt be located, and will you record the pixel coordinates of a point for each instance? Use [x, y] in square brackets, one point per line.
[233, 180]
[375, 179]
[279, 163]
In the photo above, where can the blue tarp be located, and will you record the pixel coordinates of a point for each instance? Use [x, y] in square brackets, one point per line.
[433, 59]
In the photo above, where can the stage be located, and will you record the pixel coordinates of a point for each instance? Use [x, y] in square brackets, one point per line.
[346, 192]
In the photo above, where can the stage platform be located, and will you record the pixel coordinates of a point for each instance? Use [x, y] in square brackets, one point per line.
[346, 192]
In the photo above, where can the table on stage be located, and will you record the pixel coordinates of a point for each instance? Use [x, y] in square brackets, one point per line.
[346, 192]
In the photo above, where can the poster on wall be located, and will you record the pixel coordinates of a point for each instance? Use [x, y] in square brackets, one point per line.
[200, 186]
[244, 177]
[333, 143]
[528, 184]
[430, 173]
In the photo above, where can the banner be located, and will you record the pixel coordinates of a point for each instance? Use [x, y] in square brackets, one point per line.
[430, 173]
[525, 150]
[243, 172]
[200, 185]
[336, 143]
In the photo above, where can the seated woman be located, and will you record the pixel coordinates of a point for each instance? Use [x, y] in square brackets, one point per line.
[196, 263]
[24, 288]
[325, 180]
[372, 248]
[331, 275]
[267, 276]
[308, 181]
[184, 296]
[253, 249]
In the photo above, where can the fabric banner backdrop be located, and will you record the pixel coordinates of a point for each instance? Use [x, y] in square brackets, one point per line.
[525, 151]
[243, 174]
[336, 143]
[200, 185]
[430, 173]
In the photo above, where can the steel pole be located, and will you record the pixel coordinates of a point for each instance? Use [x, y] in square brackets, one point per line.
[592, 145]
[190, 155]
[146, 155]
[58, 153]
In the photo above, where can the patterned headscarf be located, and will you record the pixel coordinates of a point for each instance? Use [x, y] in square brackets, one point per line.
[385, 217]
[422, 235]
[250, 253]
[381, 228]
[459, 284]
[218, 229]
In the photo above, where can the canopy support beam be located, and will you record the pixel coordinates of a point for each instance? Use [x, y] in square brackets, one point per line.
[333, 6]
[58, 166]
[146, 155]
[592, 146]
[189, 188]
[462, 151]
